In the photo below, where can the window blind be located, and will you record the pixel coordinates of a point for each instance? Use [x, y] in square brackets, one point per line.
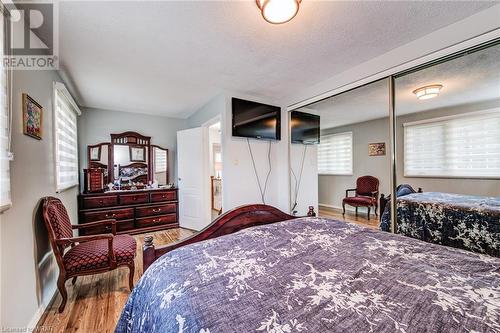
[5, 155]
[460, 146]
[160, 160]
[66, 140]
[335, 154]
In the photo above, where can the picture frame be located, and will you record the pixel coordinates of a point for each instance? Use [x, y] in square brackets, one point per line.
[137, 153]
[95, 153]
[32, 117]
[376, 149]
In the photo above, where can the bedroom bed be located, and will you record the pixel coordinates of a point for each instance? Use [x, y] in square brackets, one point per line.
[461, 221]
[284, 274]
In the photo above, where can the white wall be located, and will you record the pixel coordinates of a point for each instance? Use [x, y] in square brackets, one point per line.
[23, 236]
[332, 188]
[239, 185]
[96, 125]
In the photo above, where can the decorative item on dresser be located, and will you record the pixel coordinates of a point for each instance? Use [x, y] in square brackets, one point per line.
[94, 180]
[134, 211]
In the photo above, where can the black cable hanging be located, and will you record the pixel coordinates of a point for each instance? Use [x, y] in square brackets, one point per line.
[297, 182]
[262, 191]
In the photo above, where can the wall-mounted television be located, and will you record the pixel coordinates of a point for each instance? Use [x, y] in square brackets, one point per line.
[256, 120]
[305, 128]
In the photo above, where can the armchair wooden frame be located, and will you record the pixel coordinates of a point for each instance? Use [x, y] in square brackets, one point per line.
[59, 246]
[372, 194]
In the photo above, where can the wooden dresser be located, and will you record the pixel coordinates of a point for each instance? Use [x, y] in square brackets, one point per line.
[134, 211]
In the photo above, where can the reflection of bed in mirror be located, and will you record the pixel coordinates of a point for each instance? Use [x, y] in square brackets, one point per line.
[456, 220]
[133, 172]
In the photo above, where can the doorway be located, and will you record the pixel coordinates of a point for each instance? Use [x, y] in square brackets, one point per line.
[215, 153]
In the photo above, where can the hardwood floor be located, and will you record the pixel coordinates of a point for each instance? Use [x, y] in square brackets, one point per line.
[349, 217]
[95, 302]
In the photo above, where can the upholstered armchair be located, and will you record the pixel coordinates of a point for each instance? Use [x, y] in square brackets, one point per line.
[365, 194]
[85, 255]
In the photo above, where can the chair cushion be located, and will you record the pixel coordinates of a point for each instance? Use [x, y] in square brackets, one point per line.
[94, 254]
[359, 201]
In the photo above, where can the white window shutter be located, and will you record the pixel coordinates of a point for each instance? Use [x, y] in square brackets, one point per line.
[66, 139]
[462, 146]
[335, 154]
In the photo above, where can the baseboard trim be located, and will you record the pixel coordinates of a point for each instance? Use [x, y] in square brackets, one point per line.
[39, 314]
[329, 206]
[348, 209]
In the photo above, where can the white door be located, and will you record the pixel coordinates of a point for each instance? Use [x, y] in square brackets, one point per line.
[193, 169]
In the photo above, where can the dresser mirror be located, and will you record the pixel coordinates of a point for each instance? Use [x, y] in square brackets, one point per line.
[98, 157]
[128, 162]
[160, 165]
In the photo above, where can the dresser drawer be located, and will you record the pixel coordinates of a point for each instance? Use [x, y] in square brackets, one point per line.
[106, 229]
[157, 220]
[130, 199]
[156, 210]
[163, 196]
[125, 225]
[100, 201]
[117, 214]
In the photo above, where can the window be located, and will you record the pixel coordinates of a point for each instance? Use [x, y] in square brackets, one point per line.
[465, 146]
[66, 140]
[335, 154]
[5, 124]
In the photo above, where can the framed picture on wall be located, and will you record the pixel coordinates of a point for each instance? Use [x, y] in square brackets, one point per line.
[32, 117]
[376, 149]
[137, 154]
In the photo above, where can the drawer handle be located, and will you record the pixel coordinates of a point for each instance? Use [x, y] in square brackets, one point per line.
[156, 221]
[135, 198]
[156, 210]
[107, 228]
[112, 215]
[101, 202]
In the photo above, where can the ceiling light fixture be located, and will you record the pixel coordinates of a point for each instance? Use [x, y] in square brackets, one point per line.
[278, 11]
[428, 91]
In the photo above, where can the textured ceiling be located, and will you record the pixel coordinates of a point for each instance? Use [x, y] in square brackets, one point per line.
[470, 79]
[169, 58]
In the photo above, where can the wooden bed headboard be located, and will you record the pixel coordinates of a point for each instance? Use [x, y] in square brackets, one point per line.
[232, 221]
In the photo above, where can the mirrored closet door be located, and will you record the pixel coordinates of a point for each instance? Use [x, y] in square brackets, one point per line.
[448, 148]
[351, 158]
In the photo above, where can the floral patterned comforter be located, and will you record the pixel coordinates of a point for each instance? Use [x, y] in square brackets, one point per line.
[461, 221]
[316, 275]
